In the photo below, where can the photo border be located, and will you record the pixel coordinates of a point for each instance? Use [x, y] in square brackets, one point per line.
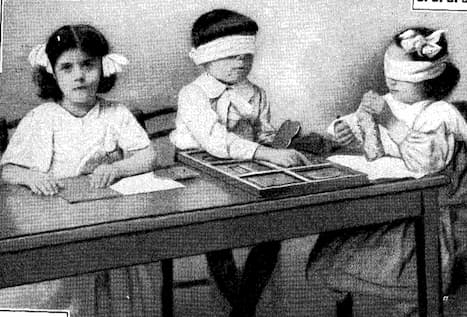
[2, 10]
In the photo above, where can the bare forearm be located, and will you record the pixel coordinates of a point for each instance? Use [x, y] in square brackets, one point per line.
[40, 183]
[263, 153]
[283, 157]
[15, 174]
[139, 162]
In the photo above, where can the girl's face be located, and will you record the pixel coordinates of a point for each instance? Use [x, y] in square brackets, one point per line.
[406, 92]
[231, 70]
[78, 76]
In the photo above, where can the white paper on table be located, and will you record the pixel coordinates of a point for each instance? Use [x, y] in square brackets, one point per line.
[384, 167]
[144, 183]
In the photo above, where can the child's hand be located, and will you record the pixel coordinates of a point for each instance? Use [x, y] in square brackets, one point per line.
[98, 158]
[104, 175]
[288, 158]
[375, 105]
[372, 103]
[343, 134]
[43, 184]
[282, 157]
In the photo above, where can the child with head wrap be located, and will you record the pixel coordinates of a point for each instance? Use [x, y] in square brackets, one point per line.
[414, 123]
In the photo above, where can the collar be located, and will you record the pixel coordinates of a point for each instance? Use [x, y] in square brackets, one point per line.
[214, 88]
[419, 104]
[94, 112]
[407, 112]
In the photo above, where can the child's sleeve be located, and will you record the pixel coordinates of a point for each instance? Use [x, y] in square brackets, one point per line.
[264, 130]
[429, 145]
[31, 145]
[131, 136]
[194, 110]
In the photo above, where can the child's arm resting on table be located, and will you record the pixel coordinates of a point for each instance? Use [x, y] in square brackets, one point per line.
[139, 161]
[281, 157]
[39, 183]
[204, 124]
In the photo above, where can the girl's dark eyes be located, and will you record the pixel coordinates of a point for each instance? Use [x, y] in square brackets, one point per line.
[87, 64]
[66, 66]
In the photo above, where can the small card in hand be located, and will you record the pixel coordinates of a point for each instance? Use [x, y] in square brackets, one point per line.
[287, 131]
[176, 172]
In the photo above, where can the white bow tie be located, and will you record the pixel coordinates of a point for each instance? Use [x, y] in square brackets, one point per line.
[230, 97]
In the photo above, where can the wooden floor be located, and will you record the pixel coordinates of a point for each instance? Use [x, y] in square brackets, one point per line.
[296, 298]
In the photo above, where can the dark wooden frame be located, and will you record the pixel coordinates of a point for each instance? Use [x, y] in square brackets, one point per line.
[301, 185]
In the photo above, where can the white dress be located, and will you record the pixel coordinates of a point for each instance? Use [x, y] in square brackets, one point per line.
[381, 260]
[51, 140]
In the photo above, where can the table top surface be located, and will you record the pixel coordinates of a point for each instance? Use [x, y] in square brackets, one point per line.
[35, 220]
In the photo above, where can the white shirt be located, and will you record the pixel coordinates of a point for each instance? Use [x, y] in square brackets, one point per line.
[226, 121]
[434, 127]
[51, 140]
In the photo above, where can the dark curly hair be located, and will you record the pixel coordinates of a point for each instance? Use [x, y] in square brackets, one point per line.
[219, 23]
[440, 87]
[81, 36]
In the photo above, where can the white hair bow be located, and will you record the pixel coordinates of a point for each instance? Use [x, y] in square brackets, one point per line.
[111, 63]
[412, 41]
[38, 57]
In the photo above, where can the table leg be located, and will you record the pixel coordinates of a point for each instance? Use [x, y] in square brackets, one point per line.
[344, 306]
[167, 288]
[428, 256]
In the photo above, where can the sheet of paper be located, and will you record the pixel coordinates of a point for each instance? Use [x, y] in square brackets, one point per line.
[144, 183]
[385, 167]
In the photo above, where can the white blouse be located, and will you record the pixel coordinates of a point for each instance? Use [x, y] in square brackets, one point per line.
[51, 140]
[434, 126]
[226, 121]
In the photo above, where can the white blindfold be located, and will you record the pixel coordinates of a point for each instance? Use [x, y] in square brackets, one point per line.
[223, 47]
[413, 71]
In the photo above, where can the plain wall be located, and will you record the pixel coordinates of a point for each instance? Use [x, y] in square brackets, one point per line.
[315, 58]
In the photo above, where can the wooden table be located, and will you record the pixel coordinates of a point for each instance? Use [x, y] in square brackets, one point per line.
[204, 216]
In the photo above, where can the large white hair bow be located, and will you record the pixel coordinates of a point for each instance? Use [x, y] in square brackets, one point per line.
[38, 57]
[111, 63]
[411, 41]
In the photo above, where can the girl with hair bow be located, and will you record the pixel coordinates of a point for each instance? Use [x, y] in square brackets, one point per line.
[414, 123]
[77, 132]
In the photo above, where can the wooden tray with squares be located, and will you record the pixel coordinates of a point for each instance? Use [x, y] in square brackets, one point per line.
[266, 179]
